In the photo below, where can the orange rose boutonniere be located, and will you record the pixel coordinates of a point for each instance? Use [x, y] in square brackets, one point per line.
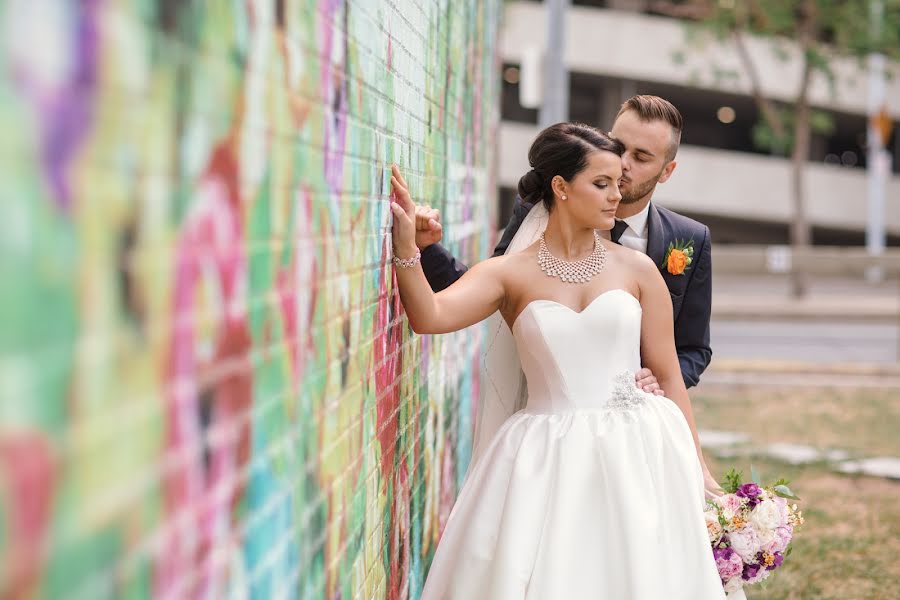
[679, 257]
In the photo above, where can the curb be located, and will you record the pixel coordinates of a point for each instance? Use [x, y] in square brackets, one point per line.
[763, 366]
[767, 309]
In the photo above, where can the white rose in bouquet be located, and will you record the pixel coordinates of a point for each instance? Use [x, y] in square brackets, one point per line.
[783, 508]
[745, 542]
[765, 536]
[734, 584]
[766, 516]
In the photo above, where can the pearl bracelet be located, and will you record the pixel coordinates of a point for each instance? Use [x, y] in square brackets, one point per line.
[407, 263]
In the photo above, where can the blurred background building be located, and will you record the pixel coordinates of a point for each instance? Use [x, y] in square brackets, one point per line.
[812, 307]
[614, 49]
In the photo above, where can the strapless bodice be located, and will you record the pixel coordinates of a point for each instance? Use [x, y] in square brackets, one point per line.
[572, 360]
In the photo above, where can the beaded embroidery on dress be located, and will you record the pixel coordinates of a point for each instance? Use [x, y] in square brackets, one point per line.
[593, 489]
[625, 395]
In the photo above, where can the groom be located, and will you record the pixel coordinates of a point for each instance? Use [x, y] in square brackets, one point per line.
[650, 128]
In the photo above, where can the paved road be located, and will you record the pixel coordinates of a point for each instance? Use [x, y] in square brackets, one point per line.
[774, 286]
[814, 342]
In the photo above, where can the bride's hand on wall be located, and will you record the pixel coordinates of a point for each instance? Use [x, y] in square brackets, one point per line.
[404, 210]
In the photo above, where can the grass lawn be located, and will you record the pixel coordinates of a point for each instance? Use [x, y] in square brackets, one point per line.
[849, 547]
[862, 421]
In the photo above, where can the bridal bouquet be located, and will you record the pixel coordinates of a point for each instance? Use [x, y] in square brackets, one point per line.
[750, 528]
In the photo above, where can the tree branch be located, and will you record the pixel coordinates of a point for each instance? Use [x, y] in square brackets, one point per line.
[758, 13]
[766, 107]
[697, 11]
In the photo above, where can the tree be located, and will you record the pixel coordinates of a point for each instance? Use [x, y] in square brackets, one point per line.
[821, 31]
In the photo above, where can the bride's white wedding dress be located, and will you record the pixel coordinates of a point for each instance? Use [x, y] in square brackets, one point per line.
[593, 490]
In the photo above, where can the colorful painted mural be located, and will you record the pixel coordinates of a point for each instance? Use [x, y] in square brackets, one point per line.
[207, 386]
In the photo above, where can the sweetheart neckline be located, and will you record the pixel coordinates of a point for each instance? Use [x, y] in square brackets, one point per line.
[572, 310]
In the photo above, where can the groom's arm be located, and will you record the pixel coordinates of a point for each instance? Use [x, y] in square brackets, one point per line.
[442, 269]
[692, 326]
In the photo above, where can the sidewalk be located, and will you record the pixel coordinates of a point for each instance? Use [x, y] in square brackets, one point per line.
[768, 297]
[847, 308]
[751, 372]
[780, 367]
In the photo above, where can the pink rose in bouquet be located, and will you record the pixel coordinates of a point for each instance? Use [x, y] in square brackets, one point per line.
[731, 505]
[780, 540]
[728, 562]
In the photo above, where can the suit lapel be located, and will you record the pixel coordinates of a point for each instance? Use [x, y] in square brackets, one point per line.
[656, 237]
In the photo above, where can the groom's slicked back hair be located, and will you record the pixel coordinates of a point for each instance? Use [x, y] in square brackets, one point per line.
[653, 108]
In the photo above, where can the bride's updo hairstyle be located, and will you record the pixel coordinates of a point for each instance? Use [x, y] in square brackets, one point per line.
[563, 150]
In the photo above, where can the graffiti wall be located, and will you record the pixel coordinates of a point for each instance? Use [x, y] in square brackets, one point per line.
[207, 386]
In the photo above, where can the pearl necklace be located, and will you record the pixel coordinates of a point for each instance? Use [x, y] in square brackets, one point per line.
[579, 271]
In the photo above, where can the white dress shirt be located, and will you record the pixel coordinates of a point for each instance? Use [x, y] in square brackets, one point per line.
[635, 235]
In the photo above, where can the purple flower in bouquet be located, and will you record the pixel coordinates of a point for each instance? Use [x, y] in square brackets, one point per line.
[750, 571]
[751, 492]
[728, 562]
[754, 573]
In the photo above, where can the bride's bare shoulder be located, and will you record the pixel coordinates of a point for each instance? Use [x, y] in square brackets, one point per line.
[513, 260]
[638, 264]
[631, 257]
[507, 262]
[511, 267]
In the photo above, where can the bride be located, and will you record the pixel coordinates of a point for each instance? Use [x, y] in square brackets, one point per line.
[593, 489]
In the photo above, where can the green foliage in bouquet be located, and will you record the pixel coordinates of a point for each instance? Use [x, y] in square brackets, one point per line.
[734, 479]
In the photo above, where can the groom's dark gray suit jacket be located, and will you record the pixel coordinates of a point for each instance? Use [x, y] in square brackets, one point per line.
[691, 292]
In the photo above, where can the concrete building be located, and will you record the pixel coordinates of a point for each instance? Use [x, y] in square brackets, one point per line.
[615, 49]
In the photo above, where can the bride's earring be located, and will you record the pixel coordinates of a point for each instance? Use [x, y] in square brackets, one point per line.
[564, 197]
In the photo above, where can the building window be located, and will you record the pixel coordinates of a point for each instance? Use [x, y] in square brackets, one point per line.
[506, 199]
[510, 108]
